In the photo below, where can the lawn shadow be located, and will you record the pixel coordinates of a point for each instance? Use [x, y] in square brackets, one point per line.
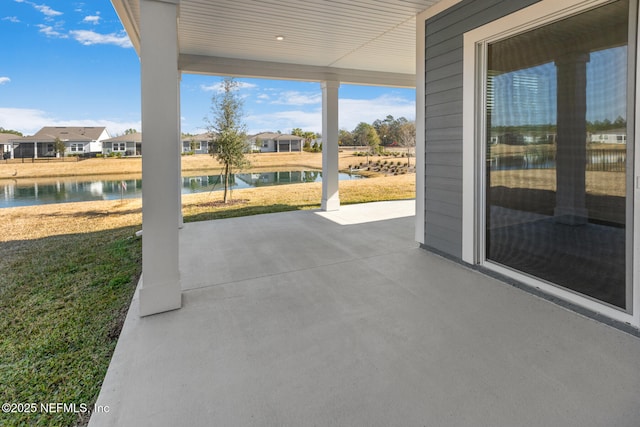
[217, 213]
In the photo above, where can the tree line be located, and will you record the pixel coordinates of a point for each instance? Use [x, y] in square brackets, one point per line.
[592, 126]
[387, 132]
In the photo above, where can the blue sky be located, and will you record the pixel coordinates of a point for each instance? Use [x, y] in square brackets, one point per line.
[68, 63]
[529, 96]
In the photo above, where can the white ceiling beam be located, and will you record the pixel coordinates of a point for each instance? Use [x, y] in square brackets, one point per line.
[199, 64]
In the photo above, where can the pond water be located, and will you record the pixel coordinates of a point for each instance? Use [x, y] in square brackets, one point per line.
[64, 190]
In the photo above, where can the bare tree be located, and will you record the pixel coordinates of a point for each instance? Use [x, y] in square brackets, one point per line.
[407, 135]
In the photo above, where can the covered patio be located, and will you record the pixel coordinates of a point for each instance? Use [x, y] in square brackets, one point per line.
[338, 318]
[363, 42]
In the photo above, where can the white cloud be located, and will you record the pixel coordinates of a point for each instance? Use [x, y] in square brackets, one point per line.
[13, 19]
[30, 120]
[218, 87]
[285, 121]
[351, 112]
[92, 19]
[354, 111]
[4, 80]
[298, 98]
[42, 8]
[49, 31]
[89, 38]
[45, 10]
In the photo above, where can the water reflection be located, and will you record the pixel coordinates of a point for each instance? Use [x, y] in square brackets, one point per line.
[597, 159]
[47, 191]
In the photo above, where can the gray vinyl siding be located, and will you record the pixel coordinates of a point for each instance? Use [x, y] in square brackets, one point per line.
[443, 115]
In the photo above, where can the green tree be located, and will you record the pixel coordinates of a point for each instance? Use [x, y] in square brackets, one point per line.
[11, 131]
[59, 147]
[345, 137]
[307, 136]
[366, 134]
[130, 131]
[390, 129]
[619, 123]
[227, 131]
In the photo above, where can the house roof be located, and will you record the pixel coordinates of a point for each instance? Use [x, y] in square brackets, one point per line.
[275, 136]
[619, 131]
[65, 133]
[355, 41]
[199, 137]
[81, 133]
[288, 137]
[7, 137]
[264, 135]
[131, 137]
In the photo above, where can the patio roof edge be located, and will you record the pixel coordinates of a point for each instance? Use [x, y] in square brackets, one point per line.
[131, 26]
[200, 64]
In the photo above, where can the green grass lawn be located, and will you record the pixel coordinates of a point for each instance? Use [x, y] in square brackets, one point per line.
[63, 300]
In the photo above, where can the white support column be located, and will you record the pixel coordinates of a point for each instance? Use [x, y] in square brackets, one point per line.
[180, 217]
[35, 150]
[420, 128]
[571, 145]
[160, 289]
[330, 195]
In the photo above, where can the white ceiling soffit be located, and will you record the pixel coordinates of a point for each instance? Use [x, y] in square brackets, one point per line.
[354, 41]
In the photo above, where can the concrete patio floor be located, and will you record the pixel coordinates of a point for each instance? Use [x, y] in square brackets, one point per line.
[340, 319]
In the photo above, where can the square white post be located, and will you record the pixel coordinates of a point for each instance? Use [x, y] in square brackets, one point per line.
[420, 159]
[160, 289]
[330, 194]
[571, 145]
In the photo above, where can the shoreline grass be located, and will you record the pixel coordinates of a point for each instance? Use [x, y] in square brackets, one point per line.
[189, 164]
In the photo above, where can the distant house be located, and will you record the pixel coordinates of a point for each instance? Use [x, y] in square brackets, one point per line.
[510, 138]
[268, 142]
[77, 141]
[198, 144]
[5, 144]
[611, 136]
[125, 145]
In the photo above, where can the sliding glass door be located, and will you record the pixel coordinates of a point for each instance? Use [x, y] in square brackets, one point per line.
[558, 153]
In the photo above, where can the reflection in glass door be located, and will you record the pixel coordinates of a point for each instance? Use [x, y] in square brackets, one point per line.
[556, 153]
